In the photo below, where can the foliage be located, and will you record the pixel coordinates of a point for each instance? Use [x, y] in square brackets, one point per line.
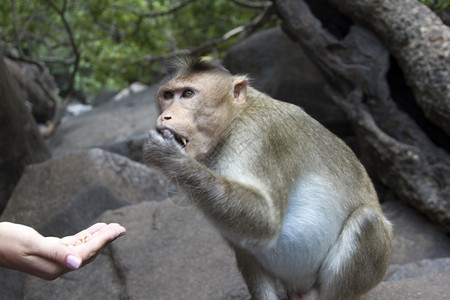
[117, 40]
[436, 5]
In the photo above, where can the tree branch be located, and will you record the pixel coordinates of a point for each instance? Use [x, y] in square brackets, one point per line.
[154, 14]
[253, 5]
[61, 107]
[17, 36]
[420, 42]
[243, 30]
[73, 44]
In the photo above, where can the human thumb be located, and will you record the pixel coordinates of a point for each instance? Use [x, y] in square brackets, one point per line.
[73, 262]
[60, 254]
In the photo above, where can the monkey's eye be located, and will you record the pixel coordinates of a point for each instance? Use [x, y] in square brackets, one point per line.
[168, 95]
[188, 93]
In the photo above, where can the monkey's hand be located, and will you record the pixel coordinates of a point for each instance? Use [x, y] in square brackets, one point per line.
[163, 151]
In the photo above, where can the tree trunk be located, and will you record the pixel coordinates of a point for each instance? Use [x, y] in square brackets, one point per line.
[419, 40]
[20, 141]
[397, 150]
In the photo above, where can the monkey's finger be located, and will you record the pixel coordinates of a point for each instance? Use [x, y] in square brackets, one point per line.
[167, 134]
[153, 135]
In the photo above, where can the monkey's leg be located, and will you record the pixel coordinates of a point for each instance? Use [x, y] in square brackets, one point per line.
[260, 284]
[359, 259]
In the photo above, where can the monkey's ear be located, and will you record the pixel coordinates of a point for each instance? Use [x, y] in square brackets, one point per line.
[239, 89]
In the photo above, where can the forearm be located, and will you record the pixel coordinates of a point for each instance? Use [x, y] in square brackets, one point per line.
[223, 200]
[17, 245]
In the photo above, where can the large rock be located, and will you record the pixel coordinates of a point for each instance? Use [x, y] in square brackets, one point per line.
[421, 268]
[426, 279]
[113, 122]
[37, 87]
[20, 141]
[415, 238]
[130, 147]
[64, 195]
[168, 252]
[428, 287]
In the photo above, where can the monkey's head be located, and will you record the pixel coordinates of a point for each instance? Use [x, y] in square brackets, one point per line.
[197, 103]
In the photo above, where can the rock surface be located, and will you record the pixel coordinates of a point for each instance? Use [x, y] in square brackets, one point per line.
[20, 141]
[62, 195]
[35, 84]
[425, 288]
[168, 253]
[109, 123]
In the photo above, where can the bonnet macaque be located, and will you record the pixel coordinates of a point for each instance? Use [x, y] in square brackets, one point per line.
[290, 198]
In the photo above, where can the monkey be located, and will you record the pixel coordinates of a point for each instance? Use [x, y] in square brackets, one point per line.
[290, 198]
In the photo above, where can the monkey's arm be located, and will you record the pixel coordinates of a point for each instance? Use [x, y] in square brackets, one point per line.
[244, 213]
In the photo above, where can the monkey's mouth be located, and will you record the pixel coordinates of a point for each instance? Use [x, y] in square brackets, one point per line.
[182, 141]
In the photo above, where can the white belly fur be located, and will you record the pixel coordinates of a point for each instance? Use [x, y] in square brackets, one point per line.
[310, 227]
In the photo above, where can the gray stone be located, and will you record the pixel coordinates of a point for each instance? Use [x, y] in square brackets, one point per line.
[130, 147]
[430, 287]
[62, 196]
[98, 280]
[110, 123]
[36, 86]
[417, 269]
[415, 238]
[173, 253]
[169, 252]
[103, 98]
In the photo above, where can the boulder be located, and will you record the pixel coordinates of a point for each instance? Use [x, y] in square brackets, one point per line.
[112, 122]
[102, 98]
[20, 141]
[64, 195]
[425, 279]
[169, 252]
[420, 268]
[415, 238]
[37, 87]
[130, 147]
[425, 288]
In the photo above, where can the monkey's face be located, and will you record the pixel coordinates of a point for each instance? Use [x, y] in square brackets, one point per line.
[197, 110]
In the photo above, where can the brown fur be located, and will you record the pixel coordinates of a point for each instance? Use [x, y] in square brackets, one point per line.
[264, 172]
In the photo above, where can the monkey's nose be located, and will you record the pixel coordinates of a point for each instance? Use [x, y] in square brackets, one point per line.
[167, 118]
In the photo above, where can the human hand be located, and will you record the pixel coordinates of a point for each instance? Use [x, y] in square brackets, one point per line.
[22, 248]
